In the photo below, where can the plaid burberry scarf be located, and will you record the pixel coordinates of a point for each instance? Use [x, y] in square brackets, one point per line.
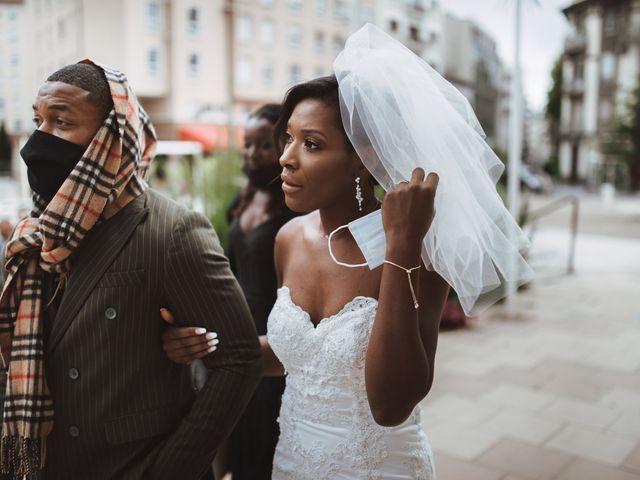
[111, 173]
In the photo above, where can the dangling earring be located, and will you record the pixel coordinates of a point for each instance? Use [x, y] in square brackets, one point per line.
[359, 194]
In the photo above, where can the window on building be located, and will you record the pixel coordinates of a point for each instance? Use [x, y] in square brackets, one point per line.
[609, 22]
[576, 116]
[153, 16]
[244, 73]
[267, 32]
[414, 33]
[320, 7]
[61, 29]
[295, 5]
[340, 10]
[578, 71]
[153, 61]
[295, 73]
[267, 73]
[605, 111]
[337, 42]
[193, 20]
[243, 29]
[318, 42]
[579, 23]
[393, 25]
[294, 36]
[194, 65]
[607, 66]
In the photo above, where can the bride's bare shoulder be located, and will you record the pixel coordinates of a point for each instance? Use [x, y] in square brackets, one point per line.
[293, 230]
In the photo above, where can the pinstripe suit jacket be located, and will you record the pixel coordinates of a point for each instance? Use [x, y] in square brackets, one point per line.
[122, 409]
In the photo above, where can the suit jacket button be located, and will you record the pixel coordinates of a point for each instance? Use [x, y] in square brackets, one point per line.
[110, 313]
[74, 373]
[74, 431]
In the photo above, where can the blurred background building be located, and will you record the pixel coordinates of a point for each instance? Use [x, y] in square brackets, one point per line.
[199, 66]
[600, 69]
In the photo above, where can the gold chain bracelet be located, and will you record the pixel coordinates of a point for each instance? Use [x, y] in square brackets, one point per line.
[408, 272]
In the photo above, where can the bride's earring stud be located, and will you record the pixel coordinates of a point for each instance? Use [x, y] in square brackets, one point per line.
[359, 194]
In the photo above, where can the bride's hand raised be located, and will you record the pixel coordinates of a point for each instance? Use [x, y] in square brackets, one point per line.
[407, 211]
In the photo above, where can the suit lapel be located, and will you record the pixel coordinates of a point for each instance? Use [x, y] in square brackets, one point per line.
[92, 260]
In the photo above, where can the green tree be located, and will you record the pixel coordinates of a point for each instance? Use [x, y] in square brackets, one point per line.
[623, 138]
[552, 114]
[5, 149]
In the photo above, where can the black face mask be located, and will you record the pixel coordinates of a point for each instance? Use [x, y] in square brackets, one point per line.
[264, 175]
[49, 160]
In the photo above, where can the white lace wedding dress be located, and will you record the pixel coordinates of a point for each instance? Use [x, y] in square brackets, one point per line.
[326, 427]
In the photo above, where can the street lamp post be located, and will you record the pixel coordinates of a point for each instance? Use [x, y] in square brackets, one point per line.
[515, 143]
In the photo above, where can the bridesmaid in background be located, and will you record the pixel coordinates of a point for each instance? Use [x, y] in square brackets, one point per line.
[255, 217]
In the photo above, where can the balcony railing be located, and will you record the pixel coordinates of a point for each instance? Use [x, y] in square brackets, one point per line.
[575, 43]
[575, 87]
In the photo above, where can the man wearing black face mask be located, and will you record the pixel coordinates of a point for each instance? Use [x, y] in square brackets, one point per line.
[90, 393]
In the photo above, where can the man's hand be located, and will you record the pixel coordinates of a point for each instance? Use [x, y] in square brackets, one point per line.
[184, 345]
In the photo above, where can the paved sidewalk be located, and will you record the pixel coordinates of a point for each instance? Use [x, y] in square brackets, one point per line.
[549, 389]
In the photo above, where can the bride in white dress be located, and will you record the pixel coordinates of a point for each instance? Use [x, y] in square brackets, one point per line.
[358, 345]
[357, 353]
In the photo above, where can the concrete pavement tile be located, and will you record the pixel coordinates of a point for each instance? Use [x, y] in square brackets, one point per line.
[563, 368]
[621, 399]
[451, 468]
[525, 427]
[586, 470]
[627, 380]
[524, 459]
[581, 387]
[633, 460]
[614, 360]
[519, 398]
[461, 441]
[593, 444]
[533, 377]
[447, 406]
[470, 365]
[462, 384]
[478, 414]
[627, 424]
[569, 410]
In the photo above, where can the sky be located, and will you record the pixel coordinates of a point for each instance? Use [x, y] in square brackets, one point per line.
[544, 28]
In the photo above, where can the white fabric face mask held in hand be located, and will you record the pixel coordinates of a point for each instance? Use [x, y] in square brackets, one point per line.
[368, 233]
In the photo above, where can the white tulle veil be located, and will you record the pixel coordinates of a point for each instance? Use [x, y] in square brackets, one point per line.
[399, 114]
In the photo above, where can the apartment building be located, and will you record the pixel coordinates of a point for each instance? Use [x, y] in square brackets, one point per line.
[199, 66]
[601, 66]
[13, 67]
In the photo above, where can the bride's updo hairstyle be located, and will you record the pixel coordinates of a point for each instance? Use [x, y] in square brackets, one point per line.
[323, 89]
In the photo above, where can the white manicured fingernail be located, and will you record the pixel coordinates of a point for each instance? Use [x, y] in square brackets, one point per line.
[211, 335]
[212, 349]
[215, 341]
[200, 331]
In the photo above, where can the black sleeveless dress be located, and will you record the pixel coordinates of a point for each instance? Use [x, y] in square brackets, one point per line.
[253, 441]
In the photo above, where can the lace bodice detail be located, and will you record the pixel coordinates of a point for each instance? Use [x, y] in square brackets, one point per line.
[326, 389]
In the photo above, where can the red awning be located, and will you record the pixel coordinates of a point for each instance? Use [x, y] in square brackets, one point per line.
[212, 137]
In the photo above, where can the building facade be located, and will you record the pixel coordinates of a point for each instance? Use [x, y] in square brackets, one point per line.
[601, 67]
[199, 66]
